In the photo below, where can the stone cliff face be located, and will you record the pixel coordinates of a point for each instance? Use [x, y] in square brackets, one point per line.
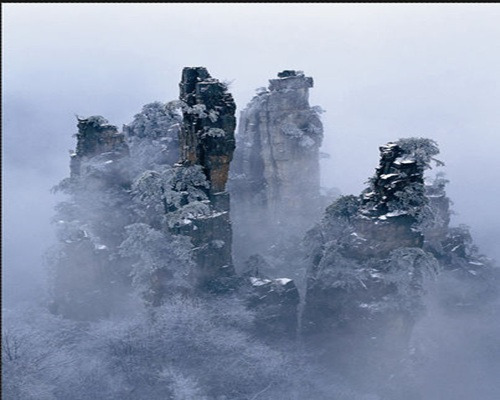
[392, 204]
[275, 175]
[207, 139]
[95, 136]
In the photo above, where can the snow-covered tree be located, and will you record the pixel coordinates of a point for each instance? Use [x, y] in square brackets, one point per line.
[171, 197]
[161, 262]
[422, 150]
[153, 136]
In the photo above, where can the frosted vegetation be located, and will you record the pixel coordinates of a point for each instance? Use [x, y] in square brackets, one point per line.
[182, 350]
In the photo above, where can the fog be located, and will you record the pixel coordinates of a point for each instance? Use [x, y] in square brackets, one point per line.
[381, 72]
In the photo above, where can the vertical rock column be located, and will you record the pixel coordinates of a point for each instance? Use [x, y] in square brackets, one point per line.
[96, 137]
[368, 273]
[86, 284]
[276, 179]
[207, 139]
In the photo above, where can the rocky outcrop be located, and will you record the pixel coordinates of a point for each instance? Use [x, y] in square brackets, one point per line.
[96, 137]
[393, 204]
[275, 303]
[275, 175]
[368, 272]
[86, 282]
[396, 173]
[207, 139]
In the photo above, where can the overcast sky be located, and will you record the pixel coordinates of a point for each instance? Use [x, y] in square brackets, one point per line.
[381, 72]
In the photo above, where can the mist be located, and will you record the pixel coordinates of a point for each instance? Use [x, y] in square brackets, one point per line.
[381, 72]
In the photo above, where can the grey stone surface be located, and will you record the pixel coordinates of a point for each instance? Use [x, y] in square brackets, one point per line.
[275, 175]
[207, 139]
